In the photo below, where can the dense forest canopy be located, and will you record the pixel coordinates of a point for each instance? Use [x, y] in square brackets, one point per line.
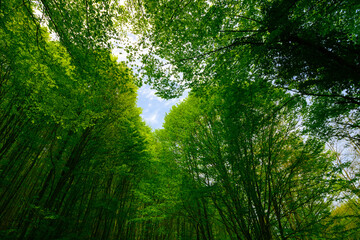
[266, 146]
[310, 47]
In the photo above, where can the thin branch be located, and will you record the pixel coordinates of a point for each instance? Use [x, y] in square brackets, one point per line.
[240, 31]
[248, 18]
[232, 45]
[353, 100]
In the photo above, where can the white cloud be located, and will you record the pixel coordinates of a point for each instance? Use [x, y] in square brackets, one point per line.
[153, 119]
[154, 108]
[149, 93]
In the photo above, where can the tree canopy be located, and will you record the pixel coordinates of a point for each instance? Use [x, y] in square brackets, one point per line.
[246, 156]
[311, 46]
[308, 47]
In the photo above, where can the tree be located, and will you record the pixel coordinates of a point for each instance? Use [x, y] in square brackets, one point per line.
[344, 221]
[77, 161]
[309, 47]
[305, 45]
[243, 150]
[72, 144]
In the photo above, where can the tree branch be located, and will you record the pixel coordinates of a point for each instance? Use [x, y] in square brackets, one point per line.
[236, 43]
[243, 31]
[248, 18]
[353, 100]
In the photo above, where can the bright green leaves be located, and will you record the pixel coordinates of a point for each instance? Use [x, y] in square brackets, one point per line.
[51, 82]
[72, 144]
[191, 41]
[87, 25]
[240, 150]
[76, 160]
[310, 47]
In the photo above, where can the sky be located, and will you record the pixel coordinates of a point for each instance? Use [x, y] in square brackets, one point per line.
[153, 107]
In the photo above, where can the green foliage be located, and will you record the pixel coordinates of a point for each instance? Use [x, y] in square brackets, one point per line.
[309, 47]
[344, 221]
[241, 150]
[303, 44]
[73, 146]
[232, 162]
